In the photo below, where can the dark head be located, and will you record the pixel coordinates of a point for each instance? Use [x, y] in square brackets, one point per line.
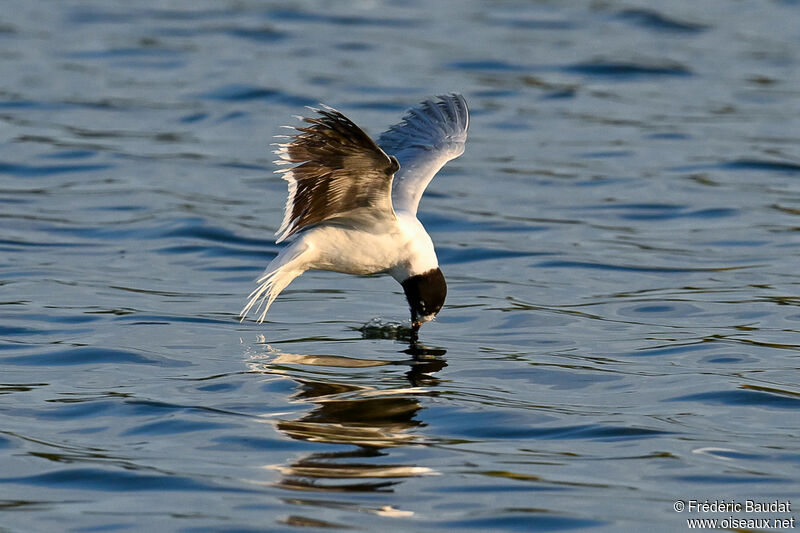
[425, 294]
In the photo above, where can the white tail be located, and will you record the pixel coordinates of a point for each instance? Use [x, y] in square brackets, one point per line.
[286, 266]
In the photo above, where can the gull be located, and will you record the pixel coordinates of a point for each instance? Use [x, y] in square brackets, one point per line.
[352, 204]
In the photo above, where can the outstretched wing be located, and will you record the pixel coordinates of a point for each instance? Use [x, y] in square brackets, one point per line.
[429, 136]
[339, 172]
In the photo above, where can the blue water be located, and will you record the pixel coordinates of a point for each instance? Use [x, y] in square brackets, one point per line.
[620, 241]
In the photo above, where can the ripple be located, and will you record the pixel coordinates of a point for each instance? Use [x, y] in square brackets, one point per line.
[87, 15]
[15, 245]
[742, 396]
[728, 454]
[70, 154]
[198, 229]
[296, 15]
[259, 34]
[653, 20]
[53, 318]
[243, 93]
[671, 136]
[628, 69]
[516, 520]
[671, 350]
[454, 256]
[730, 479]
[536, 24]
[251, 443]
[88, 356]
[761, 164]
[114, 481]
[77, 409]
[264, 34]
[441, 222]
[9, 388]
[661, 309]
[607, 154]
[488, 65]
[7, 331]
[20, 103]
[7, 347]
[728, 360]
[174, 426]
[194, 117]
[782, 167]
[629, 268]
[97, 15]
[494, 425]
[5, 443]
[144, 318]
[111, 53]
[34, 171]
[379, 105]
[591, 431]
[216, 251]
[182, 234]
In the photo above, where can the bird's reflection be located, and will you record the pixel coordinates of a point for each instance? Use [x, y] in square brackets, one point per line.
[425, 362]
[358, 402]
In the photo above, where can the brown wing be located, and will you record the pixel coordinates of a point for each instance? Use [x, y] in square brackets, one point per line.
[338, 170]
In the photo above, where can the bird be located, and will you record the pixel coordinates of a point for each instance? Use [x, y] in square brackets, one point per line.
[352, 202]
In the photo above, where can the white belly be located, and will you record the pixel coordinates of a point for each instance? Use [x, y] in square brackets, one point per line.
[402, 249]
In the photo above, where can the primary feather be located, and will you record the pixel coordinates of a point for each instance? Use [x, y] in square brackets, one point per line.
[427, 137]
[338, 169]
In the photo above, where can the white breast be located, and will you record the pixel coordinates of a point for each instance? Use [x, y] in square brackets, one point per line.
[399, 247]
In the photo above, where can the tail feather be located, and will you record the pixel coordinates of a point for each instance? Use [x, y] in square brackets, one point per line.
[279, 273]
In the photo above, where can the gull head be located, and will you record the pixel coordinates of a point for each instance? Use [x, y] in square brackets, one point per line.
[425, 293]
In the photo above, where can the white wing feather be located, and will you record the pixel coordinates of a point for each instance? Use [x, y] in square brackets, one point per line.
[429, 136]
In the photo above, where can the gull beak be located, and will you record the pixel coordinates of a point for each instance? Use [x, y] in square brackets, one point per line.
[416, 323]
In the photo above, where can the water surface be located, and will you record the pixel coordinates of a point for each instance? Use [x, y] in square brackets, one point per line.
[620, 241]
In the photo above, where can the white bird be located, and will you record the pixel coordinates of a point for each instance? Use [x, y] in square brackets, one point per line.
[352, 204]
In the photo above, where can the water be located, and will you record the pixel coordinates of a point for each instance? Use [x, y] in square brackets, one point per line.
[620, 241]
